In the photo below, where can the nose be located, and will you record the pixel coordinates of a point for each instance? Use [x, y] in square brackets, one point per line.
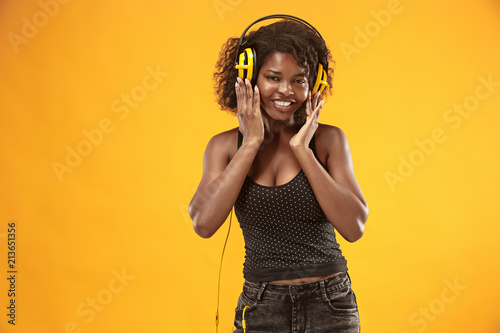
[285, 88]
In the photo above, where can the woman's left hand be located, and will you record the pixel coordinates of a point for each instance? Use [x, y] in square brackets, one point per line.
[306, 132]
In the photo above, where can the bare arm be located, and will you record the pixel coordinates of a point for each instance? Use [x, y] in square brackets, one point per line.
[337, 190]
[222, 178]
[220, 184]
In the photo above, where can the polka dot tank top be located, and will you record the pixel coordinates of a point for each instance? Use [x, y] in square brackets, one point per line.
[287, 235]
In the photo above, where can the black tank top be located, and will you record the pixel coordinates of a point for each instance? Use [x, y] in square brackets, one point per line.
[287, 235]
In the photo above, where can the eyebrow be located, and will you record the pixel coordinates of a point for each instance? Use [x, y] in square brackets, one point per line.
[279, 73]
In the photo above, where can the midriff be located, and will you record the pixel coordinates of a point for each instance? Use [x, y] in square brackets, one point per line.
[304, 280]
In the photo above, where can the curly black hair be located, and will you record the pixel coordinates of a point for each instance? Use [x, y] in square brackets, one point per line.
[286, 36]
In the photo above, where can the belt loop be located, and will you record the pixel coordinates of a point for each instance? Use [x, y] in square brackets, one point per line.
[261, 290]
[323, 290]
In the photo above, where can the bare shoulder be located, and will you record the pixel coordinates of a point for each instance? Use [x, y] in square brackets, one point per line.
[224, 144]
[331, 139]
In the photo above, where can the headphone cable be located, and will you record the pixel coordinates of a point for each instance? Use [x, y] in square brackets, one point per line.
[220, 272]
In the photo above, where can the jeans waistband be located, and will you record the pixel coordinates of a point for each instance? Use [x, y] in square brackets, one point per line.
[293, 292]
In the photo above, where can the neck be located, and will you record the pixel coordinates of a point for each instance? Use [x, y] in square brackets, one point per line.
[273, 127]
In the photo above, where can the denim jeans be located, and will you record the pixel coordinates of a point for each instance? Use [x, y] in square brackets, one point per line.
[328, 305]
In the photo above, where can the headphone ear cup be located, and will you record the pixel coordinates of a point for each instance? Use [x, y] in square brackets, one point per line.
[247, 66]
[253, 79]
[321, 80]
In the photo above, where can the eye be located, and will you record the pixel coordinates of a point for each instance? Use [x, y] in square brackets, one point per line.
[273, 78]
[300, 81]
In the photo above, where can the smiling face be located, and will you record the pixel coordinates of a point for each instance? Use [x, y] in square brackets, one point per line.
[283, 86]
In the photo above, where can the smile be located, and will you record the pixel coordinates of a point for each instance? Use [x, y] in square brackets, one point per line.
[283, 106]
[280, 103]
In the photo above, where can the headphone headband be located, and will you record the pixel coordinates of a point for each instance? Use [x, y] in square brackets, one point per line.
[269, 17]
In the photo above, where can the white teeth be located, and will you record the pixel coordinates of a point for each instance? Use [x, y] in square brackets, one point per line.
[282, 103]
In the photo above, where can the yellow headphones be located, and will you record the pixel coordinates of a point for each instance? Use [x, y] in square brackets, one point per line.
[246, 61]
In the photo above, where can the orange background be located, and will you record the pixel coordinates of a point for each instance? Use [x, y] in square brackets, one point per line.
[105, 244]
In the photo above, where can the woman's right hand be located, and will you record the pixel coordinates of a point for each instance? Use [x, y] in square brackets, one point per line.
[248, 112]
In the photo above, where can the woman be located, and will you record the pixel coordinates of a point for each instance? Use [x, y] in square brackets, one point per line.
[291, 181]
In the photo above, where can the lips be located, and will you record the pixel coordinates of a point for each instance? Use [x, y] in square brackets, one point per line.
[283, 106]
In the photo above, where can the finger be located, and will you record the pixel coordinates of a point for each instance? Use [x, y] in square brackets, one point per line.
[316, 98]
[320, 105]
[244, 105]
[256, 100]
[249, 89]
[242, 97]
[238, 93]
[318, 109]
[308, 104]
[243, 90]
